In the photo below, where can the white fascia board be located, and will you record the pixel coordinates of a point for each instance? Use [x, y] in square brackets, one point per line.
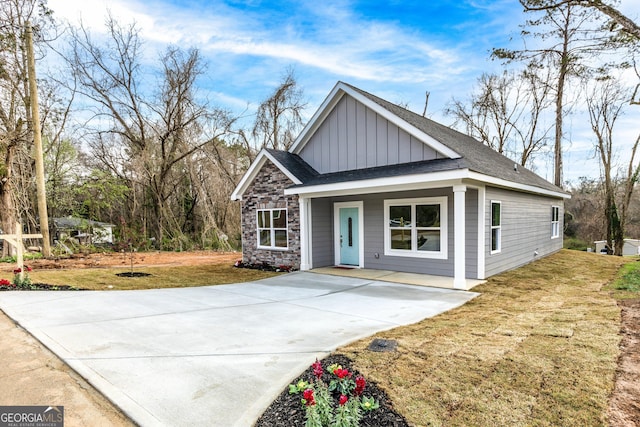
[499, 182]
[253, 170]
[381, 185]
[332, 99]
[414, 182]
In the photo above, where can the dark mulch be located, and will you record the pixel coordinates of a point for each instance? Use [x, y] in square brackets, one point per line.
[264, 267]
[287, 411]
[133, 274]
[41, 287]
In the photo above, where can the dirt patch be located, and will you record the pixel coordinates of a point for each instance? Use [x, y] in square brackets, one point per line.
[111, 259]
[624, 406]
[31, 375]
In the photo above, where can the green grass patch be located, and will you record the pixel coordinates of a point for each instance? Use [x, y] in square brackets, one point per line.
[159, 277]
[576, 244]
[26, 257]
[539, 347]
[627, 283]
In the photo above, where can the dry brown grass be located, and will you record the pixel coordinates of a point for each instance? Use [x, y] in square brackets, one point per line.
[161, 277]
[538, 347]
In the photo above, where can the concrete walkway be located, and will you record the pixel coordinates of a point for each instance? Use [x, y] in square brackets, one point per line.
[218, 355]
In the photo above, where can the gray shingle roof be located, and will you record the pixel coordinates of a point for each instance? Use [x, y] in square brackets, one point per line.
[294, 164]
[475, 156]
[478, 157]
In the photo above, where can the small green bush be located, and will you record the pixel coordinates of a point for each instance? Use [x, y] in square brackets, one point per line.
[575, 244]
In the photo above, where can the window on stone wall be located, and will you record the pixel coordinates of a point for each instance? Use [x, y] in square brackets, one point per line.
[272, 229]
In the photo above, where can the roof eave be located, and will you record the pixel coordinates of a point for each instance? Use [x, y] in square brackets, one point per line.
[253, 170]
[415, 181]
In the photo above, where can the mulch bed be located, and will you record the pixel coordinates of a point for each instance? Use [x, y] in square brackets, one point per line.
[287, 411]
[41, 287]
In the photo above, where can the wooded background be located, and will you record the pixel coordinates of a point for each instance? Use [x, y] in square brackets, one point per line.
[141, 148]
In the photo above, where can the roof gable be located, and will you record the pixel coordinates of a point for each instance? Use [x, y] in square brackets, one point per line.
[454, 155]
[336, 98]
[291, 165]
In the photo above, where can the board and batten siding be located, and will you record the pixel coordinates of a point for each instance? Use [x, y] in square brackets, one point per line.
[355, 137]
[323, 233]
[526, 229]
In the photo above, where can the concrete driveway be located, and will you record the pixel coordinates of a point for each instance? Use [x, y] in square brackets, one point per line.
[218, 355]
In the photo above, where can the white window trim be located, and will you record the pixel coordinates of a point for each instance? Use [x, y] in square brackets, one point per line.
[273, 230]
[444, 230]
[497, 227]
[555, 225]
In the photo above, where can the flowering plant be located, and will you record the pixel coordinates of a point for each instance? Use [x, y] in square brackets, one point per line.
[318, 398]
[24, 281]
[4, 283]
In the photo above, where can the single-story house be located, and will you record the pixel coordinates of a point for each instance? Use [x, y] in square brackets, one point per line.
[630, 247]
[83, 231]
[369, 184]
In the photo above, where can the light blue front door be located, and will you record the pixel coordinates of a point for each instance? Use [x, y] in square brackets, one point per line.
[349, 237]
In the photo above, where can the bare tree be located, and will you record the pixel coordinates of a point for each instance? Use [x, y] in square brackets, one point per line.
[506, 113]
[148, 137]
[625, 23]
[279, 117]
[605, 100]
[569, 36]
[16, 137]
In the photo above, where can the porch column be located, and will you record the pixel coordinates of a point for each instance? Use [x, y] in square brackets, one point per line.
[305, 233]
[459, 234]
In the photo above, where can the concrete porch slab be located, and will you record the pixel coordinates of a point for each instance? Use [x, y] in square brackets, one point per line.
[395, 277]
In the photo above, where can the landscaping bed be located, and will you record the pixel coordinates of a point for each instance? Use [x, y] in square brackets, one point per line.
[288, 411]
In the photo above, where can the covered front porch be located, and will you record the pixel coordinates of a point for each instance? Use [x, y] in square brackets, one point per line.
[397, 277]
[457, 230]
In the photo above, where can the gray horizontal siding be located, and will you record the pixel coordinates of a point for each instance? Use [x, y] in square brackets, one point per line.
[374, 237]
[323, 234]
[471, 235]
[526, 229]
[356, 137]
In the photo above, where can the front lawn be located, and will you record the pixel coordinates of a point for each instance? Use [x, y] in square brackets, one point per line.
[538, 347]
[159, 277]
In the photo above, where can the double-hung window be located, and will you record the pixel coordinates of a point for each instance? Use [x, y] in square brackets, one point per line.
[272, 228]
[555, 222]
[416, 227]
[496, 227]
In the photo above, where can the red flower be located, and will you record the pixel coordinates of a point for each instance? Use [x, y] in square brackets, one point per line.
[5, 282]
[360, 384]
[343, 399]
[28, 268]
[17, 271]
[307, 395]
[317, 369]
[341, 373]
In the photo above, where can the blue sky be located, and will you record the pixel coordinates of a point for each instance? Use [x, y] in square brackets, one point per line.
[394, 49]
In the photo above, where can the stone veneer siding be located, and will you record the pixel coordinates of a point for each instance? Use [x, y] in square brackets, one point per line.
[267, 192]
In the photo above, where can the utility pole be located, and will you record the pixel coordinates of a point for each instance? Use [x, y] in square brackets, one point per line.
[37, 142]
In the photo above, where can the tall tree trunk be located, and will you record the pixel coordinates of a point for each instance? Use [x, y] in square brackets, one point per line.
[8, 213]
[562, 77]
